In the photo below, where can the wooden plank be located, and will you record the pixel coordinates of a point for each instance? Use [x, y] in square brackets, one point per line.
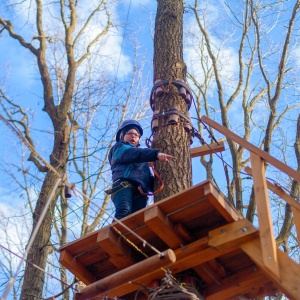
[74, 266]
[187, 257]
[236, 284]
[278, 191]
[266, 156]
[90, 256]
[235, 260]
[162, 226]
[183, 233]
[221, 203]
[207, 149]
[269, 289]
[296, 214]
[232, 234]
[126, 275]
[209, 273]
[288, 281]
[268, 244]
[195, 210]
[289, 199]
[120, 253]
[174, 204]
[180, 204]
[219, 269]
[75, 247]
[183, 199]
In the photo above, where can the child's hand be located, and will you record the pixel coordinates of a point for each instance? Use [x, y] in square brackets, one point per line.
[164, 157]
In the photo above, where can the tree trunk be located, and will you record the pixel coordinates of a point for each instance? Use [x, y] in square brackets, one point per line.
[170, 138]
[171, 135]
[33, 277]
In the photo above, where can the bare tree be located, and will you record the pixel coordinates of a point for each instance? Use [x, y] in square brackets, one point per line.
[251, 90]
[59, 73]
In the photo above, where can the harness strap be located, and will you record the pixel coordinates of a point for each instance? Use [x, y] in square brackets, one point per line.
[151, 165]
[123, 185]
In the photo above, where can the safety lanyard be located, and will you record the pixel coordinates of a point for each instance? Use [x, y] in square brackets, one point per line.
[151, 165]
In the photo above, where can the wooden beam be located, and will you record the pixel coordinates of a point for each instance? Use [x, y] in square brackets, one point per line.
[288, 281]
[207, 149]
[183, 233]
[219, 269]
[236, 284]
[119, 252]
[278, 191]
[187, 257]
[126, 275]
[226, 209]
[89, 242]
[268, 244]
[232, 234]
[290, 200]
[211, 271]
[266, 156]
[159, 223]
[268, 289]
[74, 266]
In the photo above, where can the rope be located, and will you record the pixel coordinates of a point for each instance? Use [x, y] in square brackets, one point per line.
[32, 238]
[130, 242]
[60, 180]
[160, 188]
[145, 243]
[171, 289]
[39, 268]
[148, 141]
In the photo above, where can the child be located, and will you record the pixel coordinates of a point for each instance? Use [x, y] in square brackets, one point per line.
[130, 170]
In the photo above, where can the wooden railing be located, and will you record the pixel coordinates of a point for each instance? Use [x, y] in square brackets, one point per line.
[258, 158]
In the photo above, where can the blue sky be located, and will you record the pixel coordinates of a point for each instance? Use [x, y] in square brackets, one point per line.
[22, 83]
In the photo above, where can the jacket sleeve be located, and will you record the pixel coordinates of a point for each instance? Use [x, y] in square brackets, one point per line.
[127, 154]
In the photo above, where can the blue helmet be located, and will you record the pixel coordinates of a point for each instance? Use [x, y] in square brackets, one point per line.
[128, 123]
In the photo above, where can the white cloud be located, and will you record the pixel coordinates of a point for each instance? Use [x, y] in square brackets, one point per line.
[109, 46]
[13, 227]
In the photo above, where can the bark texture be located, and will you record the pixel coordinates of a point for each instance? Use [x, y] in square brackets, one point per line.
[169, 65]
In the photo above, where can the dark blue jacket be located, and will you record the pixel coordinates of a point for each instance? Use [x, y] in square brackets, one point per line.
[129, 162]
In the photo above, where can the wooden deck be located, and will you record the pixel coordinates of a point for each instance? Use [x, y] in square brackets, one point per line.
[200, 232]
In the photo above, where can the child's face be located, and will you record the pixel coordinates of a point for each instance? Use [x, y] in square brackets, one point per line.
[132, 137]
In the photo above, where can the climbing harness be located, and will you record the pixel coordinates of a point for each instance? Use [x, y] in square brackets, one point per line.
[123, 185]
[126, 184]
[160, 188]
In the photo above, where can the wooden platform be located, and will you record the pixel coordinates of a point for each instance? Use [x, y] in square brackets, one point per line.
[207, 236]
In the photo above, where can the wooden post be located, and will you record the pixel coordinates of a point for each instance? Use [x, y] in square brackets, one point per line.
[128, 274]
[289, 199]
[268, 244]
[265, 155]
[207, 149]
